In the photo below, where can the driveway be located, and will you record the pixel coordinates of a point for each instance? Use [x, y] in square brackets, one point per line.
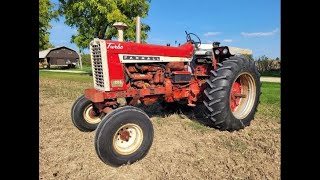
[270, 79]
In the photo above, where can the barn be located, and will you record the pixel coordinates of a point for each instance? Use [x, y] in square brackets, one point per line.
[58, 56]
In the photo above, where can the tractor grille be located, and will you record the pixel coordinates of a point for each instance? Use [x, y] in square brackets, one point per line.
[97, 68]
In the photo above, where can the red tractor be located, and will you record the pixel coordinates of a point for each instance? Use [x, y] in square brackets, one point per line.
[125, 73]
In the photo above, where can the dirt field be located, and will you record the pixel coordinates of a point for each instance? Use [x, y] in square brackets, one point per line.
[182, 148]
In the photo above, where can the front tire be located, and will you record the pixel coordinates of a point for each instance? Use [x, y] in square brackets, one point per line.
[123, 136]
[232, 94]
[84, 116]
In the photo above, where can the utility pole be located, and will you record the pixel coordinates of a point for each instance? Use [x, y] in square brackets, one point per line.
[80, 62]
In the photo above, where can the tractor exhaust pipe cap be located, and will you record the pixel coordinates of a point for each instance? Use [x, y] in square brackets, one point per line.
[120, 27]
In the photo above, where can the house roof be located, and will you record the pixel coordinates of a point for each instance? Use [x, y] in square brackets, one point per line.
[44, 53]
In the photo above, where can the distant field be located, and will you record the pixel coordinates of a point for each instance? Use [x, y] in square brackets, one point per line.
[183, 148]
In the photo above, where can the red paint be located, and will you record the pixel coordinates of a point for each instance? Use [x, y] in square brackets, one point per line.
[234, 100]
[138, 76]
[214, 61]
[175, 66]
[181, 72]
[158, 77]
[150, 68]
[185, 50]
[201, 70]
[149, 100]
[116, 71]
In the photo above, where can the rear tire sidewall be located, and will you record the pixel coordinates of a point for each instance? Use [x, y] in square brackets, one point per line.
[108, 128]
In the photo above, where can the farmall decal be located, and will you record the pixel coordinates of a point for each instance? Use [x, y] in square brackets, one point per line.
[141, 58]
[114, 46]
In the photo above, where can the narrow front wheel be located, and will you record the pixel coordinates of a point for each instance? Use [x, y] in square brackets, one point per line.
[124, 136]
[84, 116]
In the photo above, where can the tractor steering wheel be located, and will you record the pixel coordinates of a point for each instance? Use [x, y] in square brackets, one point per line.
[189, 39]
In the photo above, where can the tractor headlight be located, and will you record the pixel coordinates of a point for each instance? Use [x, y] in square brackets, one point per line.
[217, 52]
[225, 51]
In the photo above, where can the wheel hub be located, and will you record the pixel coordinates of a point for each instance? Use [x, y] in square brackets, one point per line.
[90, 115]
[127, 139]
[124, 135]
[235, 95]
[242, 95]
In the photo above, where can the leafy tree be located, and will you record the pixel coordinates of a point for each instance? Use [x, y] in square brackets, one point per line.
[264, 63]
[94, 18]
[85, 58]
[46, 13]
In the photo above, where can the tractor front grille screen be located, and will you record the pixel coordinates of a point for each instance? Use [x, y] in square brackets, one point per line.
[97, 65]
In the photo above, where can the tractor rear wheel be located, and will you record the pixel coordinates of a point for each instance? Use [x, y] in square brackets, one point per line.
[232, 94]
[84, 116]
[124, 136]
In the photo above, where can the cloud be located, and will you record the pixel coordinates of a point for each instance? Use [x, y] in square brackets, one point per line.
[227, 40]
[259, 34]
[211, 33]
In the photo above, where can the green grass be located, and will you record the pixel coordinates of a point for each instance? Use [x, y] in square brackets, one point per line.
[85, 68]
[270, 101]
[275, 73]
[197, 126]
[64, 85]
[65, 76]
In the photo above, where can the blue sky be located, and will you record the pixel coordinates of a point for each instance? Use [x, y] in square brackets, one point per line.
[253, 24]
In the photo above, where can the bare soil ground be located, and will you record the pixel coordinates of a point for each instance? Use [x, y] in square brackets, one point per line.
[182, 148]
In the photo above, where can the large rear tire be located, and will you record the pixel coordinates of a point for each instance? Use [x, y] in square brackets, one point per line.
[124, 136]
[84, 116]
[232, 94]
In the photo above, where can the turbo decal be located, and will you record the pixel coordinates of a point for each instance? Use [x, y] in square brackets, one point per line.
[114, 46]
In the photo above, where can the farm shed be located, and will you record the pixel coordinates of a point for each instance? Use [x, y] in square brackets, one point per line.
[59, 56]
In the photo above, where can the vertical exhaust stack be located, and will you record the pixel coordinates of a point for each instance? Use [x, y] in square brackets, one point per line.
[138, 29]
[120, 27]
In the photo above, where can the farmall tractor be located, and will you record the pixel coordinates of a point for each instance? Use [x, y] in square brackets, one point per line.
[128, 73]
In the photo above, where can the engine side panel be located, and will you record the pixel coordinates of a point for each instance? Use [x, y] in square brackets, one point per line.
[116, 73]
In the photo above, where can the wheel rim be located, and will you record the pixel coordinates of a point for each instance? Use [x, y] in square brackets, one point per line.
[242, 95]
[127, 139]
[90, 116]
